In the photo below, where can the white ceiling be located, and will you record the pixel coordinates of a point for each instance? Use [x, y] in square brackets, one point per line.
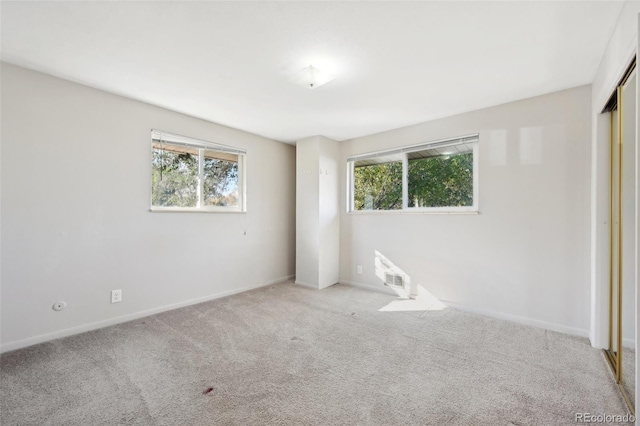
[395, 63]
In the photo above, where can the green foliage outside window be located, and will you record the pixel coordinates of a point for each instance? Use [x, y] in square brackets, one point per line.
[444, 181]
[440, 181]
[220, 182]
[174, 180]
[378, 187]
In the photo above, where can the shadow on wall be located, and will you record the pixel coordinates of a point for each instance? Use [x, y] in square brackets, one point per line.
[411, 296]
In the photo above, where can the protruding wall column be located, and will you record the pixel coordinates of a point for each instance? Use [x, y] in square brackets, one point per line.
[317, 212]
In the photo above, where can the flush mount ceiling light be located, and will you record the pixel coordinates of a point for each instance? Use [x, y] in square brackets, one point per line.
[311, 77]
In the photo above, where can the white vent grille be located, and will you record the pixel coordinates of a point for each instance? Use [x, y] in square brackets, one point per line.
[393, 280]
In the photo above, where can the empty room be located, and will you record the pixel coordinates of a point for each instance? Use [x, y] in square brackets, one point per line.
[319, 213]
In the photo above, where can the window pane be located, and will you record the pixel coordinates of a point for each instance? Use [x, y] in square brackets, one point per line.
[378, 186]
[441, 181]
[220, 186]
[174, 176]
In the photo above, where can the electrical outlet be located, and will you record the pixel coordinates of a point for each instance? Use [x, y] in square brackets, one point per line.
[359, 269]
[116, 296]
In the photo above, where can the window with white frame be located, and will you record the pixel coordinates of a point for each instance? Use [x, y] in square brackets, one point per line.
[440, 176]
[193, 175]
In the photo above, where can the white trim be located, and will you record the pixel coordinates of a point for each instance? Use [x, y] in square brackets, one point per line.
[156, 209]
[303, 284]
[175, 139]
[242, 182]
[377, 288]
[350, 187]
[307, 285]
[314, 287]
[18, 344]
[441, 143]
[552, 326]
[433, 210]
[200, 189]
[476, 175]
[479, 311]
[599, 233]
[405, 182]
[614, 78]
[322, 287]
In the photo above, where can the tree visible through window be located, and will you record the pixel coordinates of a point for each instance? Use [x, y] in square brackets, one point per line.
[174, 178]
[194, 176]
[378, 186]
[438, 176]
[220, 179]
[441, 181]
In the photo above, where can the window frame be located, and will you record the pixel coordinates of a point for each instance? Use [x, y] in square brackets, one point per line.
[201, 146]
[473, 140]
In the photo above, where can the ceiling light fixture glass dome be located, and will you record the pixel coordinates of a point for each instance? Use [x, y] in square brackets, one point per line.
[311, 77]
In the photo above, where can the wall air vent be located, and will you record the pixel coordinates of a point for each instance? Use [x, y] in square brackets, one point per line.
[393, 280]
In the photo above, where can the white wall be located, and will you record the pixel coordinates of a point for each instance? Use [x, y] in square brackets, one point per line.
[329, 212]
[629, 215]
[526, 255]
[76, 221]
[307, 212]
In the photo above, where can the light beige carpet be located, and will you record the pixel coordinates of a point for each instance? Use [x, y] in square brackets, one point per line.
[629, 372]
[287, 355]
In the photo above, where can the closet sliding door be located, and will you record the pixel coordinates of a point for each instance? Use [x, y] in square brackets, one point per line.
[623, 112]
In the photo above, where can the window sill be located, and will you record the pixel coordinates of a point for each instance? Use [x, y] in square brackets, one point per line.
[410, 212]
[188, 210]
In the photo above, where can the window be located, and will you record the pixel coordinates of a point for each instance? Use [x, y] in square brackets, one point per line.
[437, 176]
[378, 183]
[193, 175]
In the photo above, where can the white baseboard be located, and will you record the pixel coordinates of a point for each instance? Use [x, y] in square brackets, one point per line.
[18, 344]
[508, 317]
[520, 320]
[626, 343]
[379, 289]
[315, 287]
[303, 284]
